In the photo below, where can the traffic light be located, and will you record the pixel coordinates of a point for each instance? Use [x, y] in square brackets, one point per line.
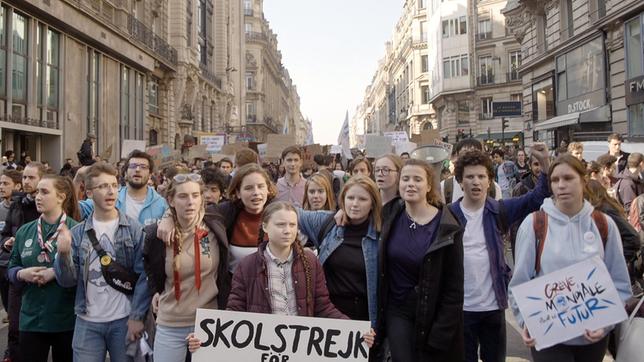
[504, 124]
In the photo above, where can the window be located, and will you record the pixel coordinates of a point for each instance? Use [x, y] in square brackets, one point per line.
[515, 63]
[125, 103]
[462, 25]
[581, 70]
[423, 31]
[486, 107]
[566, 22]
[248, 5]
[251, 113]
[93, 100]
[463, 113]
[3, 53]
[153, 96]
[424, 90]
[51, 71]
[39, 61]
[250, 81]
[634, 49]
[445, 28]
[248, 28]
[139, 107]
[465, 65]
[543, 106]
[485, 29]
[486, 70]
[541, 33]
[446, 67]
[189, 22]
[516, 97]
[424, 64]
[202, 32]
[597, 9]
[19, 72]
[455, 66]
[421, 4]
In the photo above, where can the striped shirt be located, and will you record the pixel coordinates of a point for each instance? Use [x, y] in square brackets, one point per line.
[280, 284]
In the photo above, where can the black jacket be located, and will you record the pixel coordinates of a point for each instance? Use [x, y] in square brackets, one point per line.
[21, 211]
[85, 156]
[154, 254]
[439, 312]
[630, 237]
[225, 213]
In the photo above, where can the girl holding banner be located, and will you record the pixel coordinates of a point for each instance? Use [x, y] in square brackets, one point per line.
[292, 275]
[571, 233]
[421, 267]
[47, 312]
[189, 272]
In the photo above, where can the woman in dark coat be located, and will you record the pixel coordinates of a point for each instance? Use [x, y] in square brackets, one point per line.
[421, 273]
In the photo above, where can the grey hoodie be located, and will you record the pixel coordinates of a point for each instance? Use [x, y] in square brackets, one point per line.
[569, 240]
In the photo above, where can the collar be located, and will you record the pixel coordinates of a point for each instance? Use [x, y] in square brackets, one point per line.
[283, 181]
[275, 259]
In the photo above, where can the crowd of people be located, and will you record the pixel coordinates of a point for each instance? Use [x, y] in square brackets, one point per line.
[97, 258]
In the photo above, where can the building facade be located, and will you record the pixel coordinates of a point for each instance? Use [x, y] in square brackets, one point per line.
[582, 68]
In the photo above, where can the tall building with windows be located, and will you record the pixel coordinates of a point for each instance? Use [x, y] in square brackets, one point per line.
[72, 68]
[272, 104]
[582, 68]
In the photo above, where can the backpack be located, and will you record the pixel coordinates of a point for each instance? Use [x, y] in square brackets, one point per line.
[448, 190]
[634, 216]
[540, 226]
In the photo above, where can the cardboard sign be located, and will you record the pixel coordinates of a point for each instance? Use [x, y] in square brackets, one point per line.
[277, 143]
[447, 146]
[397, 137]
[232, 148]
[428, 136]
[376, 146]
[213, 143]
[405, 147]
[163, 156]
[560, 306]
[312, 150]
[130, 145]
[250, 337]
[198, 151]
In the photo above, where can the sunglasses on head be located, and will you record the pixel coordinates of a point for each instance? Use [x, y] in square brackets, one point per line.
[183, 177]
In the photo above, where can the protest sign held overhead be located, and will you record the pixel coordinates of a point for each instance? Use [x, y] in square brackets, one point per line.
[250, 337]
[561, 305]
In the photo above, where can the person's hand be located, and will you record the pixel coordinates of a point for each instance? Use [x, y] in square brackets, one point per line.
[594, 336]
[155, 303]
[44, 276]
[8, 244]
[134, 329]
[165, 230]
[369, 337]
[64, 241]
[193, 343]
[30, 275]
[340, 218]
[540, 151]
[527, 340]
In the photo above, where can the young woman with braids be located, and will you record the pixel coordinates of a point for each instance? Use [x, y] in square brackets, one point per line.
[47, 311]
[292, 275]
[189, 272]
[250, 190]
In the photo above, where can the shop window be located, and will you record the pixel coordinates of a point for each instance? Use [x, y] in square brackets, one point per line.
[3, 52]
[19, 72]
[634, 48]
[542, 101]
[581, 70]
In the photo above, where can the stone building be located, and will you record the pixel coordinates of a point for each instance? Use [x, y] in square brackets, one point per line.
[582, 68]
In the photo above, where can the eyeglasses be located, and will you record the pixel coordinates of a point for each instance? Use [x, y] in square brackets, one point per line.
[183, 177]
[134, 166]
[105, 186]
[385, 171]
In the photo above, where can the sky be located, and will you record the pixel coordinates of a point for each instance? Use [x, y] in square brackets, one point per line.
[331, 49]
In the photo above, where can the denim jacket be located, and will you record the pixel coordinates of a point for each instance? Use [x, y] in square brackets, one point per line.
[154, 206]
[311, 224]
[508, 212]
[73, 270]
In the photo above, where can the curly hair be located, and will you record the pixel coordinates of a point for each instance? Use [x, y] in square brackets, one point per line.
[473, 158]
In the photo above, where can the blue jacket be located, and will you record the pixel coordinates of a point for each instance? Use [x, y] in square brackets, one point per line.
[497, 217]
[153, 208]
[128, 246]
[311, 224]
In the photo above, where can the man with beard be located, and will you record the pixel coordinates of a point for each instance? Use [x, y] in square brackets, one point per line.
[21, 211]
[137, 200]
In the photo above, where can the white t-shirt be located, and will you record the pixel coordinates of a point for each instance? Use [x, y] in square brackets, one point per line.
[133, 207]
[104, 303]
[457, 191]
[478, 291]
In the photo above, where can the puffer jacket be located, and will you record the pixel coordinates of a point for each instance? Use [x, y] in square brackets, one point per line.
[249, 292]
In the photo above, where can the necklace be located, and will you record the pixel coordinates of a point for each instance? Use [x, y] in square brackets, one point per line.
[413, 222]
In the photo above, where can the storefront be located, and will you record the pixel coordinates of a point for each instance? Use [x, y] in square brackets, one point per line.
[634, 84]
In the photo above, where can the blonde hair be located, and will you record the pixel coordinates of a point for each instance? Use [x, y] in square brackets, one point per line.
[323, 182]
[372, 189]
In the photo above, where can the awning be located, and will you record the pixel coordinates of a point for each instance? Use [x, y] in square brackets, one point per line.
[559, 121]
[497, 135]
[597, 114]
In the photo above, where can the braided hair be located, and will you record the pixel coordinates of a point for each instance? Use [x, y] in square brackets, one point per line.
[297, 248]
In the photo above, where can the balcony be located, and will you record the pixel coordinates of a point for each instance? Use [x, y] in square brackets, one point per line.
[256, 36]
[513, 76]
[141, 33]
[484, 36]
[485, 79]
[248, 12]
[252, 120]
[210, 77]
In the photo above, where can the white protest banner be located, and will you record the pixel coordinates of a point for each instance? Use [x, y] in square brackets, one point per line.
[376, 146]
[405, 147]
[130, 145]
[261, 150]
[397, 137]
[561, 305]
[214, 143]
[335, 149]
[250, 337]
[447, 146]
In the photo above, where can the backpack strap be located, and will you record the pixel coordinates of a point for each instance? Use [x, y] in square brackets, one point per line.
[448, 190]
[540, 226]
[602, 225]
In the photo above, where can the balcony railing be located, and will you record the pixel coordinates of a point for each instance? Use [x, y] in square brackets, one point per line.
[266, 122]
[484, 35]
[485, 79]
[209, 76]
[153, 42]
[248, 12]
[255, 36]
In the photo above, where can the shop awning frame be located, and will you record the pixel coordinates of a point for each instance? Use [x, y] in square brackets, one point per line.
[559, 121]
